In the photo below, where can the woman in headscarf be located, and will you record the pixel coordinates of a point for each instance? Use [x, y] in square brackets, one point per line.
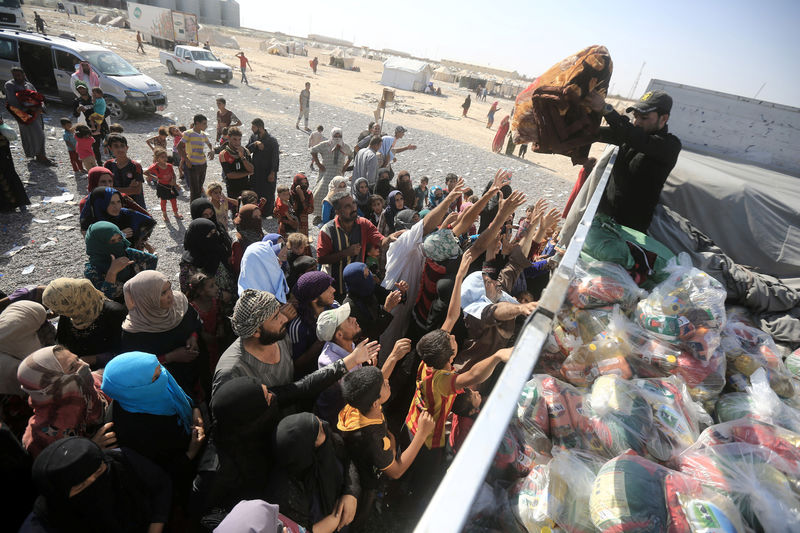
[89, 323]
[302, 201]
[261, 270]
[203, 208]
[490, 115]
[65, 397]
[394, 204]
[84, 489]
[337, 187]
[153, 416]
[112, 261]
[248, 231]
[19, 325]
[435, 196]
[370, 303]
[105, 203]
[384, 186]
[206, 251]
[246, 414]
[500, 136]
[102, 177]
[362, 195]
[256, 516]
[161, 321]
[12, 190]
[301, 265]
[315, 476]
[405, 186]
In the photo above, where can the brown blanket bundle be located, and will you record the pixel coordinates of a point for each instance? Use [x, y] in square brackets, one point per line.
[551, 114]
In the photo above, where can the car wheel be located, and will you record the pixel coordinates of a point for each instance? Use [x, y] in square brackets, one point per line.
[226, 81]
[201, 76]
[115, 109]
[171, 68]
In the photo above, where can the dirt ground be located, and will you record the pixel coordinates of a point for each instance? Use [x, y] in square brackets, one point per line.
[355, 91]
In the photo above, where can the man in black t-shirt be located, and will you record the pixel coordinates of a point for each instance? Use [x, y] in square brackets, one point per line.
[236, 165]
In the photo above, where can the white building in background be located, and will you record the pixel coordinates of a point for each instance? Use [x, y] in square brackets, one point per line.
[214, 12]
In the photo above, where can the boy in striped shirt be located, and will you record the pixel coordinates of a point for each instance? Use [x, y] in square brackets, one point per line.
[437, 387]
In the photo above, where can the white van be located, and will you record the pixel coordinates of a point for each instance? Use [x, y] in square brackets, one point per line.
[50, 61]
[11, 15]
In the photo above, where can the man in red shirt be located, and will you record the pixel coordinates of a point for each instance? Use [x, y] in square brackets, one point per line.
[344, 240]
[243, 64]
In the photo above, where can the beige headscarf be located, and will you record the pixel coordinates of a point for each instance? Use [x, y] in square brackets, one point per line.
[77, 299]
[142, 295]
[19, 323]
[337, 185]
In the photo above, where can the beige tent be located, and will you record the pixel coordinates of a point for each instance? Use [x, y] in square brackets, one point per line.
[444, 74]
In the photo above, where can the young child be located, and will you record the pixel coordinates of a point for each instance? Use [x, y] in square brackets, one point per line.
[128, 175]
[166, 187]
[69, 140]
[222, 204]
[373, 260]
[298, 246]
[99, 101]
[314, 139]
[250, 197]
[194, 156]
[83, 146]
[378, 203]
[421, 192]
[225, 118]
[114, 128]
[466, 407]
[159, 140]
[283, 212]
[176, 135]
[203, 295]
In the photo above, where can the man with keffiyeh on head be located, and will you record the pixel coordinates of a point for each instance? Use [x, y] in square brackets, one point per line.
[332, 157]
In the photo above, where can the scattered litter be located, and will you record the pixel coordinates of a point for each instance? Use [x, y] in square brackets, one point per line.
[13, 251]
[28, 269]
[65, 197]
[64, 216]
[48, 244]
[65, 228]
[41, 220]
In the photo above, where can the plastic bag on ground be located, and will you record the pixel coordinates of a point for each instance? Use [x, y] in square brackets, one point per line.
[628, 496]
[688, 306]
[759, 402]
[747, 349]
[601, 284]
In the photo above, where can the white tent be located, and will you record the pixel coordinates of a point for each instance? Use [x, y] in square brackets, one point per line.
[406, 74]
[444, 74]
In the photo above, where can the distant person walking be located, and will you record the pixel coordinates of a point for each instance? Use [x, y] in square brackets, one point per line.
[314, 62]
[39, 22]
[490, 114]
[139, 42]
[465, 105]
[244, 63]
[305, 101]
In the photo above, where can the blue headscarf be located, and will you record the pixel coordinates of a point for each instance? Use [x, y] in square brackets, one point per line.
[272, 238]
[96, 207]
[128, 380]
[434, 201]
[261, 270]
[358, 285]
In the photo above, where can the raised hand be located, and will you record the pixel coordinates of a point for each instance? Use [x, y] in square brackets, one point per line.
[501, 178]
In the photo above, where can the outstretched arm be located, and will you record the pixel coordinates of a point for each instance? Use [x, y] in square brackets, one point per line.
[437, 214]
[454, 310]
[469, 217]
[507, 207]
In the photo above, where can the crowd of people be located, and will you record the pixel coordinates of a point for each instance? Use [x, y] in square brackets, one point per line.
[306, 383]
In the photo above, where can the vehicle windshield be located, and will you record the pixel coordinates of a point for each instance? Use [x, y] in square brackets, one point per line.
[204, 55]
[10, 4]
[110, 63]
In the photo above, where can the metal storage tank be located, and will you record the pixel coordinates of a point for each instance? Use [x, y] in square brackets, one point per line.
[211, 12]
[189, 6]
[168, 4]
[230, 13]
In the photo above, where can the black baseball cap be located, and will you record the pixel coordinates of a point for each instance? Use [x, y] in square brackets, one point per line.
[653, 101]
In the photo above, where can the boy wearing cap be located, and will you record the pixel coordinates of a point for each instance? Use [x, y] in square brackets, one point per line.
[388, 149]
[647, 154]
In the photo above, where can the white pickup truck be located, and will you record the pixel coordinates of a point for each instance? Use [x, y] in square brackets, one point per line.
[197, 62]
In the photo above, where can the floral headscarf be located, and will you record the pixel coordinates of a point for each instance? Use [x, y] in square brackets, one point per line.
[77, 299]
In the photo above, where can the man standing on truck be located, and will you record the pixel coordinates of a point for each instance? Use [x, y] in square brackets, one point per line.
[243, 64]
[139, 42]
[305, 101]
[647, 154]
